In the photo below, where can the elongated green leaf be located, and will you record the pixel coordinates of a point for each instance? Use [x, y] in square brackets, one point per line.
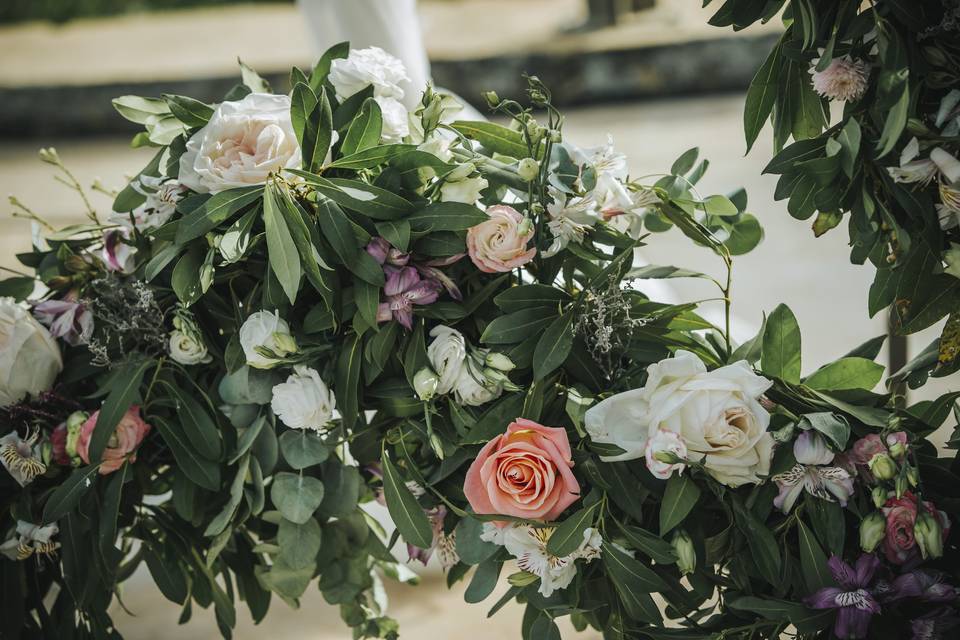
[405, 511]
[318, 133]
[189, 111]
[761, 96]
[554, 346]
[203, 472]
[371, 157]
[215, 211]
[302, 103]
[185, 279]
[513, 328]
[470, 547]
[568, 535]
[364, 131]
[633, 581]
[650, 544]
[656, 272]
[373, 202]
[494, 137]
[124, 391]
[484, 581]
[813, 561]
[284, 258]
[318, 74]
[110, 510]
[781, 346]
[65, 497]
[347, 381]
[679, 498]
[764, 549]
[446, 216]
[200, 428]
[846, 373]
[223, 518]
[167, 574]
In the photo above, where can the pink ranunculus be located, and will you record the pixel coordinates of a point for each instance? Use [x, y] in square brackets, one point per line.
[900, 544]
[499, 244]
[524, 473]
[58, 443]
[130, 432]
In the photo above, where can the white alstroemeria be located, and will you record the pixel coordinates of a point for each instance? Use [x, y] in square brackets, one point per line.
[267, 330]
[161, 203]
[29, 539]
[812, 474]
[529, 546]
[447, 354]
[20, 458]
[570, 219]
[610, 193]
[304, 401]
[911, 168]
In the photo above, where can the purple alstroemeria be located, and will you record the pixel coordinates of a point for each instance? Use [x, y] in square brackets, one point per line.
[813, 474]
[403, 289]
[66, 319]
[117, 254]
[391, 258]
[936, 625]
[385, 254]
[855, 603]
[928, 586]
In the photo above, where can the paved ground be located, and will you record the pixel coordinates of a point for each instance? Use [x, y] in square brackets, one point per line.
[814, 277]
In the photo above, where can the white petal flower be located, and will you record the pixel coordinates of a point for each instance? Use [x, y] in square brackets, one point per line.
[365, 67]
[161, 203]
[303, 401]
[396, 125]
[263, 329]
[187, 348]
[447, 354]
[465, 190]
[665, 444]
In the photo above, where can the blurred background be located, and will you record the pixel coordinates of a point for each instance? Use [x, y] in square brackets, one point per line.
[650, 73]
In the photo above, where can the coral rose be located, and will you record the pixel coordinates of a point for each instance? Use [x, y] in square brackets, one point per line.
[129, 433]
[523, 473]
[499, 244]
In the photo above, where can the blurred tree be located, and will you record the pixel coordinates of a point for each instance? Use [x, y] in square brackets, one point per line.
[65, 10]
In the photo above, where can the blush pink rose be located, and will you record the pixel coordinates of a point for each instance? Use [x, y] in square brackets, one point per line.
[523, 473]
[499, 244]
[130, 432]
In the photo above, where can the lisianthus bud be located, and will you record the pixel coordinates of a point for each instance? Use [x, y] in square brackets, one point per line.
[555, 136]
[528, 169]
[901, 485]
[461, 172]
[883, 467]
[284, 343]
[879, 496]
[425, 383]
[525, 227]
[499, 361]
[492, 98]
[686, 554]
[929, 535]
[872, 531]
[898, 450]
[913, 476]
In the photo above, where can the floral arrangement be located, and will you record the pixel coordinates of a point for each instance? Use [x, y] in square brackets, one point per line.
[313, 301]
[889, 160]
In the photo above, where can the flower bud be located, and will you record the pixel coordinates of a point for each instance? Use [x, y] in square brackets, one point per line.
[929, 535]
[897, 444]
[913, 476]
[555, 136]
[667, 457]
[425, 383]
[76, 264]
[528, 169]
[74, 424]
[525, 228]
[462, 172]
[879, 497]
[901, 485]
[492, 98]
[285, 343]
[686, 554]
[49, 155]
[872, 531]
[499, 361]
[898, 450]
[883, 467]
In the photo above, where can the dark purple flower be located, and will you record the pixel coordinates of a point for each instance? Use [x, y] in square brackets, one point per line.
[855, 603]
[403, 289]
[926, 585]
[66, 319]
[935, 625]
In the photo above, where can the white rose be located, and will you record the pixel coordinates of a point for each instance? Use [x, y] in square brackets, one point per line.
[447, 354]
[395, 124]
[303, 401]
[466, 190]
[29, 356]
[365, 67]
[243, 143]
[716, 414]
[264, 329]
[473, 388]
[187, 348]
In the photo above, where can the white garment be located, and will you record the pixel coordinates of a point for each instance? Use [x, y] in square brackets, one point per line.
[392, 25]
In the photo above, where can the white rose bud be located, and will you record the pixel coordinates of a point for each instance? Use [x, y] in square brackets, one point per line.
[268, 330]
[29, 356]
[425, 383]
[446, 354]
[303, 401]
[187, 348]
[528, 169]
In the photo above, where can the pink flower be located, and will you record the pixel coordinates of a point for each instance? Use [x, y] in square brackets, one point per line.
[866, 447]
[130, 432]
[385, 254]
[66, 319]
[403, 289]
[117, 255]
[900, 544]
[665, 453]
[524, 472]
[58, 442]
[500, 244]
[843, 79]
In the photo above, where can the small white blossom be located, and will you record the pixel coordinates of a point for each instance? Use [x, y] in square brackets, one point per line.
[843, 79]
[304, 401]
[268, 330]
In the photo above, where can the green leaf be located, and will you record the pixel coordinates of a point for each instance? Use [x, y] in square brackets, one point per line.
[371, 157]
[494, 138]
[515, 327]
[761, 96]
[405, 511]
[658, 272]
[65, 497]
[341, 493]
[849, 139]
[347, 381]
[201, 430]
[633, 581]
[364, 131]
[764, 549]
[185, 278]
[284, 258]
[320, 71]
[166, 573]
[252, 80]
[214, 211]
[553, 347]
[397, 233]
[813, 561]
[484, 581]
[190, 112]
[110, 509]
[894, 123]
[781, 346]
[685, 162]
[124, 391]
[650, 544]
[833, 426]
[139, 109]
[366, 199]
[531, 295]
[299, 543]
[679, 498]
[19, 288]
[201, 471]
[302, 449]
[846, 373]
[568, 536]
[745, 234]
[446, 216]
[718, 205]
[219, 523]
[470, 547]
[296, 496]
[302, 103]
[318, 133]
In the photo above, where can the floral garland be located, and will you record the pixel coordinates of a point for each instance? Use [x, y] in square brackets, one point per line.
[306, 303]
[889, 160]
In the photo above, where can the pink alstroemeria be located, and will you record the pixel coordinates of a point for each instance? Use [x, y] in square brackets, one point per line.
[66, 319]
[385, 254]
[403, 289]
[389, 257]
[117, 254]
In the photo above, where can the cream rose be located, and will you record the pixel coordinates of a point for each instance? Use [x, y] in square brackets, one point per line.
[265, 329]
[499, 244]
[187, 348]
[447, 354]
[244, 142]
[716, 414]
[29, 356]
[303, 401]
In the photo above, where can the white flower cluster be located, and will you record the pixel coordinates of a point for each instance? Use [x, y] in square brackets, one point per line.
[474, 376]
[528, 545]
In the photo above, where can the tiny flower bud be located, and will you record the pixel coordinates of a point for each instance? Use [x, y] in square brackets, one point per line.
[929, 535]
[461, 172]
[898, 450]
[285, 343]
[537, 97]
[913, 476]
[883, 467]
[901, 485]
[536, 209]
[425, 383]
[525, 228]
[76, 264]
[49, 155]
[492, 98]
[872, 531]
[879, 497]
[499, 361]
[686, 554]
[528, 169]
[555, 136]
[667, 457]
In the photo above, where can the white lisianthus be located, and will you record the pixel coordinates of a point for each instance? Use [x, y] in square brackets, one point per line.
[265, 329]
[447, 354]
[437, 145]
[466, 190]
[472, 386]
[29, 356]
[396, 125]
[664, 452]
[303, 401]
[187, 348]
[366, 67]
[716, 414]
[242, 144]
[529, 546]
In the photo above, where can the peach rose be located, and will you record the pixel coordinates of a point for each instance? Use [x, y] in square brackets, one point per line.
[523, 473]
[499, 244]
[130, 432]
